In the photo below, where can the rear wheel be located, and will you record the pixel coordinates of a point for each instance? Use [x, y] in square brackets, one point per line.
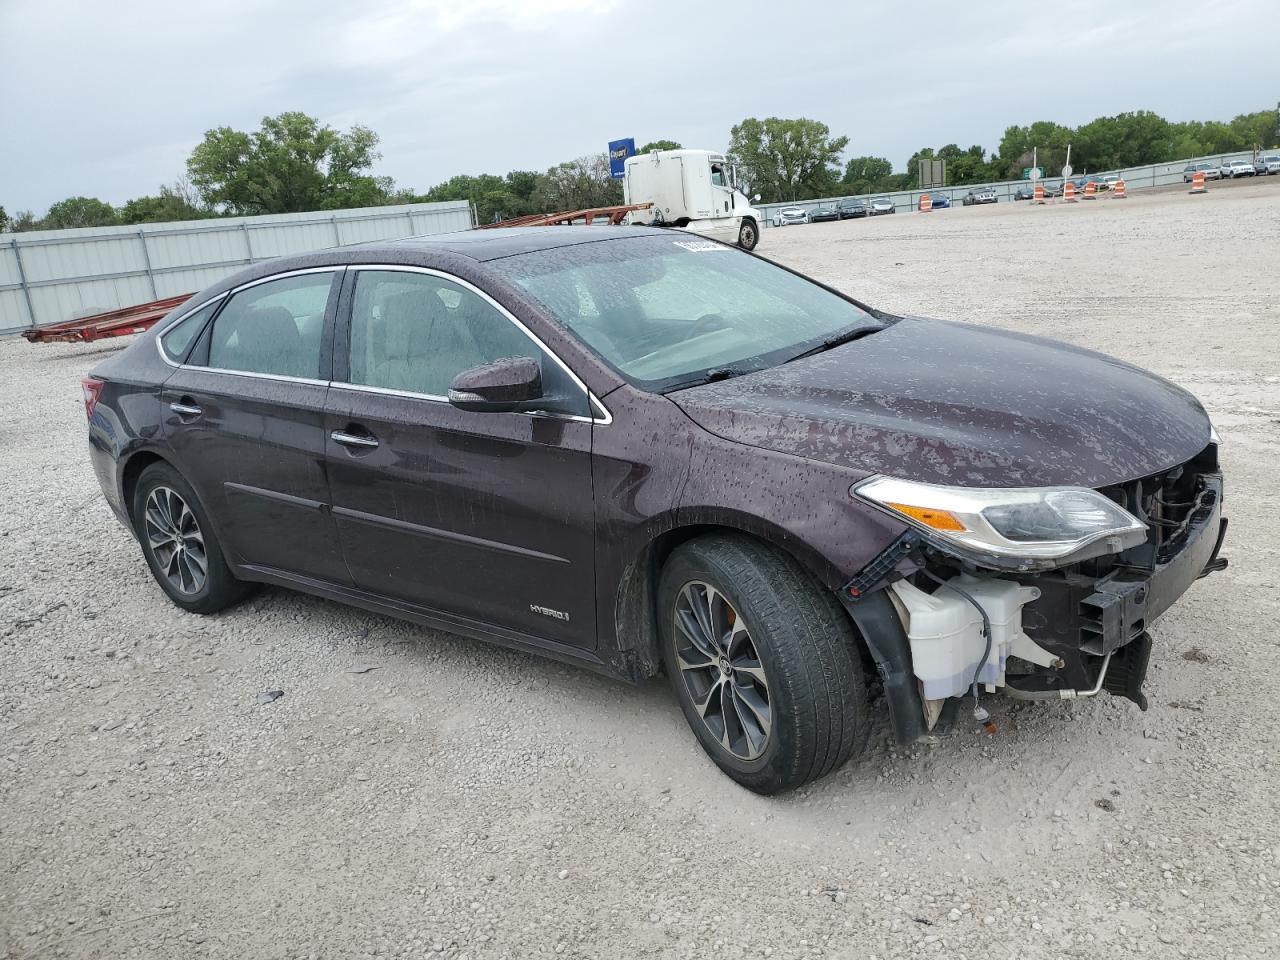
[179, 543]
[748, 234]
[763, 663]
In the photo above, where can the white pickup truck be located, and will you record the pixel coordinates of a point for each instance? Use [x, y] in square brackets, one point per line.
[695, 190]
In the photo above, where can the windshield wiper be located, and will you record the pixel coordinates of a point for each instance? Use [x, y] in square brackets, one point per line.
[835, 340]
[707, 376]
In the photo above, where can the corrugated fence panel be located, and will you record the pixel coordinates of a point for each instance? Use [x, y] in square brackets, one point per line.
[439, 220]
[13, 304]
[170, 251]
[68, 300]
[279, 241]
[102, 257]
[174, 282]
[9, 273]
[364, 231]
[66, 274]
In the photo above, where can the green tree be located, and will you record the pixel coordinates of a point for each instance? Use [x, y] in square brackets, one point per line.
[871, 169]
[578, 185]
[1125, 140]
[653, 145]
[291, 163]
[4, 221]
[492, 196]
[1047, 140]
[23, 221]
[787, 159]
[1261, 129]
[870, 175]
[523, 184]
[78, 212]
[174, 202]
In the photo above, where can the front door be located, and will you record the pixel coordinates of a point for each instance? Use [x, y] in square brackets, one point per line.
[487, 517]
[244, 417]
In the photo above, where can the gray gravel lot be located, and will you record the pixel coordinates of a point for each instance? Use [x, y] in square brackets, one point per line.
[465, 801]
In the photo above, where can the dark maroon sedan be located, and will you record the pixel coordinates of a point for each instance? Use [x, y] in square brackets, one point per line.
[638, 450]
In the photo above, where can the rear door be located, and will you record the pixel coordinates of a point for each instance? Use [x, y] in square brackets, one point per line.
[244, 418]
[487, 517]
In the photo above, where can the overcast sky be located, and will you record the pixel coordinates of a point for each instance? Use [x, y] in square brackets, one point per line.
[107, 99]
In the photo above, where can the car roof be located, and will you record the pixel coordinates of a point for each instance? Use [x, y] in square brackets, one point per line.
[498, 242]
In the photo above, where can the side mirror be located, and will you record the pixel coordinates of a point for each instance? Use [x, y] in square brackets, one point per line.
[511, 384]
[756, 198]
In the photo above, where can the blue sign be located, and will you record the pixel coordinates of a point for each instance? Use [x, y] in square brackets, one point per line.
[619, 150]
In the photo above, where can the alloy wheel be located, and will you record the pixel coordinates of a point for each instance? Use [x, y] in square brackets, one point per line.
[175, 540]
[722, 671]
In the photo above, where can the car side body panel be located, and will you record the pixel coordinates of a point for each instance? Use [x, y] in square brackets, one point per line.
[658, 477]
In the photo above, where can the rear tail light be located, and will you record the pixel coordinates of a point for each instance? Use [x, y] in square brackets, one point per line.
[92, 388]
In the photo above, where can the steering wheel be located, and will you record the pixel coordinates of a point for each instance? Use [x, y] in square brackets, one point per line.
[706, 320]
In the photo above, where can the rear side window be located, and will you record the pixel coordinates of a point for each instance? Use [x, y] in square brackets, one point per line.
[177, 340]
[273, 328]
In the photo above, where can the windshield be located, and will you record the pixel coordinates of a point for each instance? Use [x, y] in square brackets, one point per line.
[666, 310]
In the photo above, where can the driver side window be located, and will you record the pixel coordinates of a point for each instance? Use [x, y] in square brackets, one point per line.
[415, 332]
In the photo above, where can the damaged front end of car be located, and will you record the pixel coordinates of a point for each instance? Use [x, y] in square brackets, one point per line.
[1041, 593]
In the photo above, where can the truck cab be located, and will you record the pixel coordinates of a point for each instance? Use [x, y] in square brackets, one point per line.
[695, 190]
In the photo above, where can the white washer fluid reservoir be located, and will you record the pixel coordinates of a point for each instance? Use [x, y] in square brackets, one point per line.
[945, 632]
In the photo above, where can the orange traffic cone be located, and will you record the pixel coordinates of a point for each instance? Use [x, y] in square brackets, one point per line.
[1090, 191]
[1039, 193]
[1118, 190]
[926, 203]
[1068, 192]
[1197, 182]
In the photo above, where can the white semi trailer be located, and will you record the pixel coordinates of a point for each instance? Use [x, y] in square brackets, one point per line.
[696, 190]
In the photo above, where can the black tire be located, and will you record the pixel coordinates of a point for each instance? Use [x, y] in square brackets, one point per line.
[748, 234]
[218, 588]
[804, 644]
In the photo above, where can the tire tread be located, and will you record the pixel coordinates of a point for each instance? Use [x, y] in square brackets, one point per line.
[819, 665]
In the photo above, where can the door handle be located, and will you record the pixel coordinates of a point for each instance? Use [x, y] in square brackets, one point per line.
[185, 409]
[353, 439]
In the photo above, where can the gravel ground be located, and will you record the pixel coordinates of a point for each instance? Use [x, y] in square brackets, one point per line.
[415, 794]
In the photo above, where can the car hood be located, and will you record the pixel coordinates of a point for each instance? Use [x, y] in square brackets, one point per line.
[952, 403]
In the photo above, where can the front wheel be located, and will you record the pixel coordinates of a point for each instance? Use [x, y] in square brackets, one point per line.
[748, 234]
[763, 662]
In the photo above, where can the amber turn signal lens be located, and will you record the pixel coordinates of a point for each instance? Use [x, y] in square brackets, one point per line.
[935, 519]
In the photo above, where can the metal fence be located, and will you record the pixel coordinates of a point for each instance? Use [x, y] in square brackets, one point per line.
[1135, 178]
[48, 276]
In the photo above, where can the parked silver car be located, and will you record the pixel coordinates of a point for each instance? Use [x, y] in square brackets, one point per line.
[791, 215]
[1267, 165]
[882, 205]
[1210, 170]
[979, 195]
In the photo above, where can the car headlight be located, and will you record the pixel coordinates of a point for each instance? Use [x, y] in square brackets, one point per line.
[1213, 436]
[1031, 523]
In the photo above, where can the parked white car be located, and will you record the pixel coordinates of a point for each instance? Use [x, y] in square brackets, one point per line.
[1108, 181]
[882, 205]
[1237, 168]
[1266, 166]
[791, 215]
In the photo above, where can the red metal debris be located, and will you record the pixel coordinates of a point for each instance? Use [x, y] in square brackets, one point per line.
[113, 323]
[613, 214]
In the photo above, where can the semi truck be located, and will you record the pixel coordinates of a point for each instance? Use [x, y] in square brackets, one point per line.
[695, 190]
